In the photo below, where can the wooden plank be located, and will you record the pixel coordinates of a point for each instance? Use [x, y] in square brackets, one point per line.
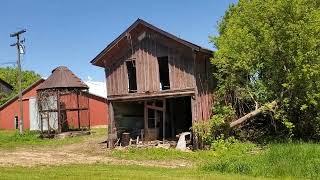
[155, 107]
[111, 126]
[107, 81]
[193, 109]
[111, 82]
[59, 113]
[166, 94]
[154, 69]
[145, 67]
[164, 121]
[145, 118]
[171, 118]
[78, 111]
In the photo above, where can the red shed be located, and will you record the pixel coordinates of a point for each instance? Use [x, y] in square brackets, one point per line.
[8, 111]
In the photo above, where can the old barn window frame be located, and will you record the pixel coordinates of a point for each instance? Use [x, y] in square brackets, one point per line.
[164, 76]
[132, 76]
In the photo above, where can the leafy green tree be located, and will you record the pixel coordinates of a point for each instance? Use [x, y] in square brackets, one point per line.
[10, 75]
[269, 51]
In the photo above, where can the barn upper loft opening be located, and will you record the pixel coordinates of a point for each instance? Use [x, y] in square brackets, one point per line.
[132, 76]
[137, 32]
[164, 73]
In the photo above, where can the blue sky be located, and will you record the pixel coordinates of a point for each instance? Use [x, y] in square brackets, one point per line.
[72, 32]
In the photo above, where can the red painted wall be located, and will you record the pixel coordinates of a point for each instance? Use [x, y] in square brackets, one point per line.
[9, 111]
[97, 105]
[98, 111]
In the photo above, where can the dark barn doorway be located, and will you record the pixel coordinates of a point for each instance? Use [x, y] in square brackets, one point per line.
[167, 118]
[153, 119]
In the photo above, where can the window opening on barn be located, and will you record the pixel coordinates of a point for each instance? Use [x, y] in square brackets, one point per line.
[164, 73]
[16, 122]
[132, 76]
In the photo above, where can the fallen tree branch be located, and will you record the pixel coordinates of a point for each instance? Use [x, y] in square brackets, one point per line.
[254, 113]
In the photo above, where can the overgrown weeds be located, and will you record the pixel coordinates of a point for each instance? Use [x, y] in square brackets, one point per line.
[300, 160]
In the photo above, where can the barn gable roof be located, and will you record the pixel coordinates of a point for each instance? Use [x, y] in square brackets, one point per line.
[6, 84]
[97, 59]
[62, 77]
[23, 92]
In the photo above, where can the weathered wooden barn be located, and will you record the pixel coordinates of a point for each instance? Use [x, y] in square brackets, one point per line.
[158, 84]
[9, 111]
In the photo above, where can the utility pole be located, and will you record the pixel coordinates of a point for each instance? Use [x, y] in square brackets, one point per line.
[19, 46]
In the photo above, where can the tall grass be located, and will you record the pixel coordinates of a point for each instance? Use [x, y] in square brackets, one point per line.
[300, 160]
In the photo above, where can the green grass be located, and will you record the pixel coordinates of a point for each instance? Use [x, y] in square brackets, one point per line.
[291, 160]
[12, 139]
[162, 154]
[226, 161]
[298, 160]
[100, 171]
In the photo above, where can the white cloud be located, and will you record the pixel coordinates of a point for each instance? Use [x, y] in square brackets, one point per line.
[97, 87]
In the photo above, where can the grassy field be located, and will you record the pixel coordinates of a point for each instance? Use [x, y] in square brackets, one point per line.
[234, 161]
[12, 139]
[102, 171]
[292, 160]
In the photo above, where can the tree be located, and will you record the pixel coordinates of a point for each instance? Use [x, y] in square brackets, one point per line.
[10, 75]
[268, 52]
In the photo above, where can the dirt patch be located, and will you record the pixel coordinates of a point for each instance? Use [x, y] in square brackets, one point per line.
[89, 152]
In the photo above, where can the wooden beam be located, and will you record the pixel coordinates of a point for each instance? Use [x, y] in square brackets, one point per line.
[171, 118]
[193, 109]
[155, 108]
[110, 126]
[164, 121]
[145, 116]
[68, 109]
[59, 112]
[150, 96]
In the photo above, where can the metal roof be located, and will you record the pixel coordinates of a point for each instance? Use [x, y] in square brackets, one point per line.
[62, 77]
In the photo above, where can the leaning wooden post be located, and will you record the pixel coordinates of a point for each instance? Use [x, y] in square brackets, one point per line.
[164, 121]
[145, 117]
[110, 127]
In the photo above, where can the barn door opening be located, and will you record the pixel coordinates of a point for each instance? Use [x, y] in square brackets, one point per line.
[155, 119]
[167, 118]
[132, 76]
[164, 73]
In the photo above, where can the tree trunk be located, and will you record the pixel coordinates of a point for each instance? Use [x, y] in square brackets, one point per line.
[253, 114]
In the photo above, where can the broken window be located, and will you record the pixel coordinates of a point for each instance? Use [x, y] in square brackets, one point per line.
[164, 73]
[132, 76]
